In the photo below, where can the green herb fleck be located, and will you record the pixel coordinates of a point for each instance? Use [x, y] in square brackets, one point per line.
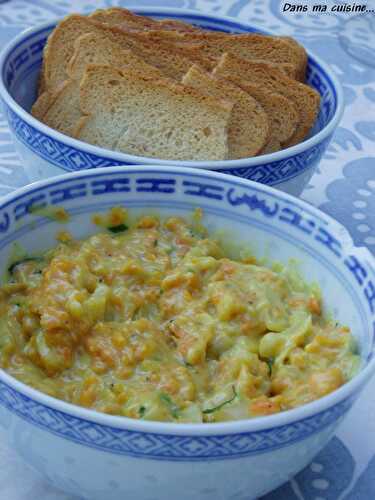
[156, 243]
[142, 411]
[173, 408]
[270, 362]
[118, 229]
[218, 407]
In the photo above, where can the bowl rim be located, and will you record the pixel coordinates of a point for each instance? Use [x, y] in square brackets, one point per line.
[349, 390]
[97, 151]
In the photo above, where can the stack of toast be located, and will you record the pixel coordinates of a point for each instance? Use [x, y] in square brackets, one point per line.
[168, 90]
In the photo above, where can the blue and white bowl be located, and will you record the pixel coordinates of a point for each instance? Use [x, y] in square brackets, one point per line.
[47, 152]
[98, 456]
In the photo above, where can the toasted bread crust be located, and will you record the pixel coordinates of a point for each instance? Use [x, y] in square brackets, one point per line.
[99, 49]
[125, 19]
[41, 105]
[247, 45]
[305, 99]
[172, 60]
[283, 116]
[59, 109]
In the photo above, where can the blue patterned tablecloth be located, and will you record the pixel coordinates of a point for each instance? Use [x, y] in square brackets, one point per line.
[344, 187]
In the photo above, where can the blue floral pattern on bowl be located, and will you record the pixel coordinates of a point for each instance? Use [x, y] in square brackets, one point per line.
[164, 446]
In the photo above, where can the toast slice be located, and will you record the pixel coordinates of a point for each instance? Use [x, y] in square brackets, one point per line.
[248, 46]
[303, 55]
[283, 115]
[60, 108]
[272, 146]
[281, 112]
[99, 49]
[172, 61]
[211, 57]
[282, 50]
[125, 19]
[305, 99]
[248, 128]
[136, 114]
[41, 85]
[42, 104]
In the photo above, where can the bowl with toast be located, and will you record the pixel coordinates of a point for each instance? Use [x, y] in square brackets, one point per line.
[168, 87]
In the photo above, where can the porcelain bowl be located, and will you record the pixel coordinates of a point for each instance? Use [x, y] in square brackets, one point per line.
[98, 456]
[47, 153]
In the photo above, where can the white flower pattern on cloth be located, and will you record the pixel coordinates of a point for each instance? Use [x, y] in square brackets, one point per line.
[358, 189]
[327, 477]
[346, 174]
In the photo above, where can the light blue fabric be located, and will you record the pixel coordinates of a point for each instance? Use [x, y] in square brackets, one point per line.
[328, 476]
[344, 187]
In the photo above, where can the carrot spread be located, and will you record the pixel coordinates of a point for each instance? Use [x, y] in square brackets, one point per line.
[152, 320]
